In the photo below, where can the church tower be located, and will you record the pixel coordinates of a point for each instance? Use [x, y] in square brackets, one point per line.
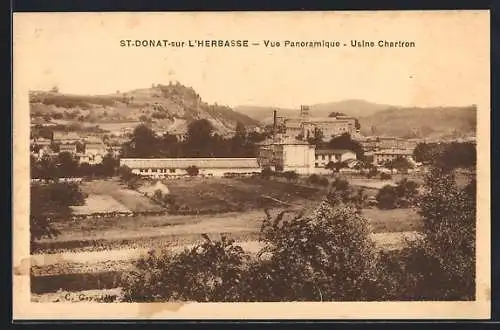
[304, 112]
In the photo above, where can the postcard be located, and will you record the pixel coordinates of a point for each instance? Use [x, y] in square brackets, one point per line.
[251, 165]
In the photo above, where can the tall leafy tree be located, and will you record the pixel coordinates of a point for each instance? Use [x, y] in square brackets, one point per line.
[199, 141]
[143, 143]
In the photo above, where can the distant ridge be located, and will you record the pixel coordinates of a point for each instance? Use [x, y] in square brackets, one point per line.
[388, 120]
[356, 108]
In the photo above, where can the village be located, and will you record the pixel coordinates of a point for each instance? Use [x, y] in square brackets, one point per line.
[286, 148]
[122, 194]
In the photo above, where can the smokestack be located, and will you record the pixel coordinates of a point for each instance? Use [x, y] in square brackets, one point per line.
[275, 119]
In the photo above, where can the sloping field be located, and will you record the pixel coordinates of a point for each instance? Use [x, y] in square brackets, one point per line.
[99, 204]
[131, 199]
[238, 195]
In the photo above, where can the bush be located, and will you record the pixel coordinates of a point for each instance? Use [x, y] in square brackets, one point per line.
[323, 257]
[404, 194]
[372, 172]
[211, 271]
[323, 182]
[341, 192]
[266, 172]
[387, 197]
[385, 176]
[290, 175]
[407, 192]
[192, 170]
[313, 179]
[449, 216]
[326, 256]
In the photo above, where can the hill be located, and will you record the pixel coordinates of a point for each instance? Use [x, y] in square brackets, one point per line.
[166, 107]
[442, 122]
[355, 108]
[387, 120]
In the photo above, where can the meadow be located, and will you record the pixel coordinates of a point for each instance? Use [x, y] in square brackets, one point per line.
[91, 253]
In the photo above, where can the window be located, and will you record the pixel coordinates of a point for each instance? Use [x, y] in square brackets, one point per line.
[172, 170]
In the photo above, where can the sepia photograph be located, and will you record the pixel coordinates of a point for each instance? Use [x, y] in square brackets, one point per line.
[168, 163]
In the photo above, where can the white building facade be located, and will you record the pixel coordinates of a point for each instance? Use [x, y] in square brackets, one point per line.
[287, 154]
[175, 167]
[324, 156]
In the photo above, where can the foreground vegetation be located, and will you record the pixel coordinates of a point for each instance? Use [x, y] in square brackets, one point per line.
[326, 256]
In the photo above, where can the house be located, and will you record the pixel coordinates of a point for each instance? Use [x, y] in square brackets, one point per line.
[304, 125]
[37, 121]
[95, 146]
[40, 146]
[397, 143]
[368, 143]
[382, 156]
[95, 150]
[65, 137]
[41, 142]
[286, 153]
[114, 150]
[324, 156]
[68, 147]
[166, 167]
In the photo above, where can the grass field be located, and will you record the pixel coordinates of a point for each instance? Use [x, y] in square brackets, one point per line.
[130, 199]
[168, 230]
[238, 195]
[99, 204]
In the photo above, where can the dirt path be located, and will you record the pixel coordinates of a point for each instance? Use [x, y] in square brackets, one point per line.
[383, 240]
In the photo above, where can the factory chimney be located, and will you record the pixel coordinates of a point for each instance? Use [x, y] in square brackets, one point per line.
[275, 122]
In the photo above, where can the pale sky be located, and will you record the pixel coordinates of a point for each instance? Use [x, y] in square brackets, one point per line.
[80, 53]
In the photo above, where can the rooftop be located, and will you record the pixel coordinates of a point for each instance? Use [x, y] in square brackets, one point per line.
[228, 163]
[332, 151]
[394, 152]
[66, 136]
[93, 140]
[283, 140]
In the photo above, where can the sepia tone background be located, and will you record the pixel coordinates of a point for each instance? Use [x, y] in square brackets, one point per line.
[80, 53]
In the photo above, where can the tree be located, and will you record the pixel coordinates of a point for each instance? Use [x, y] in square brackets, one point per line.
[341, 192]
[199, 139]
[443, 261]
[401, 164]
[209, 272]
[170, 146]
[109, 165]
[406, 191]
[426, 152]
[130, 179]
[387, 197]
[345, 141]
[67, 165]
[334, 166]
[457, 155]
[143, 143]
[317, 138]
[49, 203]
[327, 256]
[192, 170]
